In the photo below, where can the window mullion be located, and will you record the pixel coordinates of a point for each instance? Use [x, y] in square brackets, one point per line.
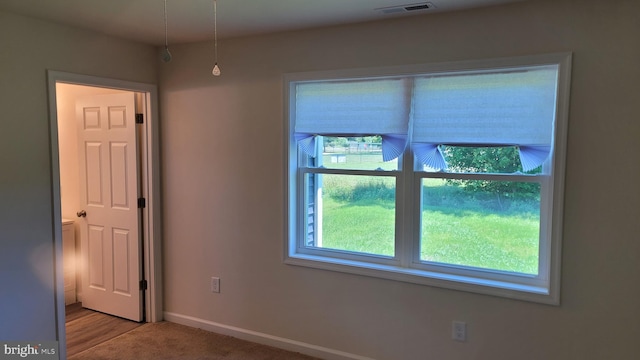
[406, 239]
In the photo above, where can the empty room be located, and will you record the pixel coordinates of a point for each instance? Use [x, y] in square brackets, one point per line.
[362, 179]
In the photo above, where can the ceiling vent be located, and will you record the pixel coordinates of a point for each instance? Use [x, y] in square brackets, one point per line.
[406, 8]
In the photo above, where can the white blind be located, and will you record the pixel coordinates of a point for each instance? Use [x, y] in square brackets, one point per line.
[509, 108]
[370, 107]
[354, 108]
[488, 109]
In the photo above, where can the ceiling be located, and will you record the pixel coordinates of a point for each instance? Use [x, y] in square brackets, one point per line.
[192, 20]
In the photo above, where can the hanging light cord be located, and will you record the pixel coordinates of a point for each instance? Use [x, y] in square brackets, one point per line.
[166, 54]
[166, 36]
[215, 29]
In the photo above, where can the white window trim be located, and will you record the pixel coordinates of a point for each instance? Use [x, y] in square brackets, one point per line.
[546, 290]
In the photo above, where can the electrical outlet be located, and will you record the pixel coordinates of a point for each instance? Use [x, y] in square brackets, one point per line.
[215, 284]
[459, 331]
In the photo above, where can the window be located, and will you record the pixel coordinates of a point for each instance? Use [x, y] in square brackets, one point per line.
[448, 174]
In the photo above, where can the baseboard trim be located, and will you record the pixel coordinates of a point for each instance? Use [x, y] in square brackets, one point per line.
[262, 338]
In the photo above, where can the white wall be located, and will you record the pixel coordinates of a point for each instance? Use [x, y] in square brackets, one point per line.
[29, 48]
[223, 190]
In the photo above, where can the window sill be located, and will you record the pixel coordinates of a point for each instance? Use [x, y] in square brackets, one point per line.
[477, 285]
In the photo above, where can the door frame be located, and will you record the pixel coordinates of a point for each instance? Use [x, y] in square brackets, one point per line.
[150, 176]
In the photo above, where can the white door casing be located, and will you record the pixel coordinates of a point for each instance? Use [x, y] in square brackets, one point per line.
[109, 188]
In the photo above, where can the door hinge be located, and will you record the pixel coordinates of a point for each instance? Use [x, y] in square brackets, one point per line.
[143, 284]
[139, 118]
[142, 203]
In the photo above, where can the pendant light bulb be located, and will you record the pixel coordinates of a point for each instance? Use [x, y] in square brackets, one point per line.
[166, 55]
[216, 70]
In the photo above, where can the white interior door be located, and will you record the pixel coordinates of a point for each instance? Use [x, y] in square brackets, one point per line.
[110, 238]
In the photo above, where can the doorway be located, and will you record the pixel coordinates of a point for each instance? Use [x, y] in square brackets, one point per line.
[60, 86]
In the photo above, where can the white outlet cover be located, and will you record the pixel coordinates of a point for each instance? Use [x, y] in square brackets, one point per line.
[215, 284]
[459, 331]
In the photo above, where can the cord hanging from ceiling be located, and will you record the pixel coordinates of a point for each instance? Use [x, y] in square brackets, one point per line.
[166, 55]
[216, 69]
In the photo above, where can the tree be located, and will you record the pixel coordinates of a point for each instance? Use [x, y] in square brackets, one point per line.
[490, 160]
[334, 142]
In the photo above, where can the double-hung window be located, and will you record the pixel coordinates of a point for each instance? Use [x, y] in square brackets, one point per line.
[446, 174]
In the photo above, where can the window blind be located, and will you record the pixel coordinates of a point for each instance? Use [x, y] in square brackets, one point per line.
[354, 108]
[514, 107]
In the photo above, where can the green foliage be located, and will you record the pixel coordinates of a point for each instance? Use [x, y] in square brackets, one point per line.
[490, 160]
[483, 159]
[357, 188]
[375, 139]
[441, 195]
[335, 142]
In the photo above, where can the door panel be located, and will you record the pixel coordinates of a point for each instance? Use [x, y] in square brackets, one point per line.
[110, 238]
[93, 170]
[121, 245]
[96, 250]
[120, 198]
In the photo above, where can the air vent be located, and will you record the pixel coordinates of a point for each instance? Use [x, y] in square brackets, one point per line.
[406, 8]
[424, 6]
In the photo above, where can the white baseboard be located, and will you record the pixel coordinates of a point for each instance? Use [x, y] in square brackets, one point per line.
[262, 338]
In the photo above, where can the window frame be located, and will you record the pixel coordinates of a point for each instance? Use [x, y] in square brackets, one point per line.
[343, 254]
[406, 265]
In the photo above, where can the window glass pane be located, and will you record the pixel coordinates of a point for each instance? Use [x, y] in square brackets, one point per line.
[355, 153]
[470, 159]
[485, 224]
[351, 213]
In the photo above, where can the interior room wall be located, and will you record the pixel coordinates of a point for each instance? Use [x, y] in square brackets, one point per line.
[29, 48]
[223, 193]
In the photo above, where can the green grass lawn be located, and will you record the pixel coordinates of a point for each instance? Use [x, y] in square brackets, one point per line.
[480, 239]
[363, 226]
[469, 233]
[458, 227]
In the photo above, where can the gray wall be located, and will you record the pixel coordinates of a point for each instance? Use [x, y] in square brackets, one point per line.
[223, 179]
[30, 48]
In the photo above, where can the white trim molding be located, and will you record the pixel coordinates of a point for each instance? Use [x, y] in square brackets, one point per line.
[151, 191]
[262, 338]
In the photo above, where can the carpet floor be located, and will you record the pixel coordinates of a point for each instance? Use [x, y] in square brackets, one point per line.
[168, 341]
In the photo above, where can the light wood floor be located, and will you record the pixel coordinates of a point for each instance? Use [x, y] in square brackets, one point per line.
[87, 328]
